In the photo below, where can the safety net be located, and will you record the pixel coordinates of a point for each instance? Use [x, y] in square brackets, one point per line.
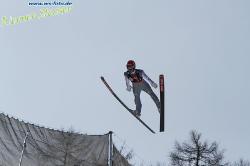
[32, 145]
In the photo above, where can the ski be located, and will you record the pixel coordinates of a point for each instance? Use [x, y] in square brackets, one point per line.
[162, 112]
[124, 105]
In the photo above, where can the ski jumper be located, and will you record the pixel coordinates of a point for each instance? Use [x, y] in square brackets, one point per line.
[137, 77]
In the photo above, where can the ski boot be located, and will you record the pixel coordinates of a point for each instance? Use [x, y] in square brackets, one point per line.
[137, 113]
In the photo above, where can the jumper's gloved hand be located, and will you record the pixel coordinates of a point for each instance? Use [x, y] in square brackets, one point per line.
[129, 88]
[153, 84]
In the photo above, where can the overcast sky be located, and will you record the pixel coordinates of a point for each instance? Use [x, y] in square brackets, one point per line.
[50, 70]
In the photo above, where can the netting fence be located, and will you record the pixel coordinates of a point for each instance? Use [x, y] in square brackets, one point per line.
[31, 145]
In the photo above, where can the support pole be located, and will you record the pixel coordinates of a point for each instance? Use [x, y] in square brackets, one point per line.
[110, 159]
[24, 146]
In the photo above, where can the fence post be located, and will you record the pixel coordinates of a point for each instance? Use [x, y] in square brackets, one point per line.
[110, 159]
[24, 146]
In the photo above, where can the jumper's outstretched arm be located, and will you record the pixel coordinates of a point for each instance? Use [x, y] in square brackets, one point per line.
[127, 83]
[144, 75]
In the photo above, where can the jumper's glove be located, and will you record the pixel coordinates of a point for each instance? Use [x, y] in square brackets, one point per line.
[129, 88]
[153, 84]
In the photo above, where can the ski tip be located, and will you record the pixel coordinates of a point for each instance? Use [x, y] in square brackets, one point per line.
[102, 78]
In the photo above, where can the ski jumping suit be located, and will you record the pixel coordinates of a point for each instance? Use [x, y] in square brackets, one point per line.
[137, 78]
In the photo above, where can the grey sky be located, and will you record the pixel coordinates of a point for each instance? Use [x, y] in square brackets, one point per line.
[50, 69]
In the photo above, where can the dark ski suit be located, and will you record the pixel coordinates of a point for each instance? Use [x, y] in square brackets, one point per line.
[137, 78]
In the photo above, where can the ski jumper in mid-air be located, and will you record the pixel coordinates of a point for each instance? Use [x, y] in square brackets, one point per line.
[138, 79]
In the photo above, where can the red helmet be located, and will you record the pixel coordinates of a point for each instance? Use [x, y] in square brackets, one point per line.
[131, 65]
